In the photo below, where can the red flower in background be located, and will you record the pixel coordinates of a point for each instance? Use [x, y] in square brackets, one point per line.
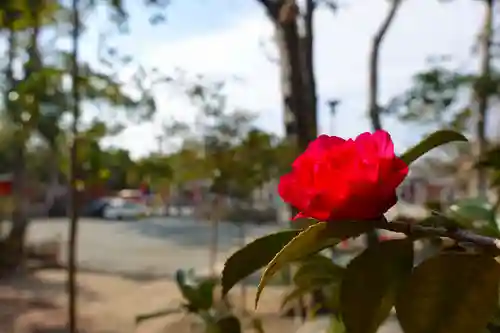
[337, 179]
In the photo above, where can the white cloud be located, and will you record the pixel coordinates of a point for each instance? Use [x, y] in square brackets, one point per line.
[423, 28]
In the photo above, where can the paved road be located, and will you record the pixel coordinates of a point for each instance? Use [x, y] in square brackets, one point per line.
[156, 248]
[150, 248]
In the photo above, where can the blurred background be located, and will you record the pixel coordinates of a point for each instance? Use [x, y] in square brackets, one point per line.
[161, 127]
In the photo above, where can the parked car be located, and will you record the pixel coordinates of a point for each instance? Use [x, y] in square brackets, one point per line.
[125, 209]
[96, 207]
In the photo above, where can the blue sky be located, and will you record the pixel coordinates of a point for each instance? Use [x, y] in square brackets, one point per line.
[223, 38]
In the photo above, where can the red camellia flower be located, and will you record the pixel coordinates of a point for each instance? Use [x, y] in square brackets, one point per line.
[337, 179]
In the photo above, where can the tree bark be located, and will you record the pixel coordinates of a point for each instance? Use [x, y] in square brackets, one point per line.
[298, 84]
[374, 109]
[482, 95]
[297, 70]
[73, 229]
[373, 87]
[308, 68]
[16, 238]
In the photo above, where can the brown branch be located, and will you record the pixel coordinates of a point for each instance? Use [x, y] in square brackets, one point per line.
[272, 8]
[489, 244]
[373, 106]
[483, 94]
[265, 3]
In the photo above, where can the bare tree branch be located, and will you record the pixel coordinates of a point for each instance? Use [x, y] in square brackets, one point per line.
[272, 7]
[412, 229]
[373, 106]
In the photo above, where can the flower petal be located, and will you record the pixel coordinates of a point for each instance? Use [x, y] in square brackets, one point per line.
[384, 144]
[317, 149]
[291, 191]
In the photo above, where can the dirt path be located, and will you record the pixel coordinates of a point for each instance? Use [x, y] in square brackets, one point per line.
[108, 304]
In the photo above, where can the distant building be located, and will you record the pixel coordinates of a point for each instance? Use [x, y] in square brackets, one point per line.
[420, 190]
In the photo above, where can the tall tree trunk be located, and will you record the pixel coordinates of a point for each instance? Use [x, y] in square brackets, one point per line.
[373, 87]
[297, 74]
[483, 91]
[297, 124]
[15, 239]
[308, 67]
[73, 229]
[296, 67]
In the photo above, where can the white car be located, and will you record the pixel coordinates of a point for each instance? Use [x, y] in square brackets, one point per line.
[119, 209]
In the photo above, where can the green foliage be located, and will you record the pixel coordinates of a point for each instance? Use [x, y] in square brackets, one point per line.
[476, 214]
[434, 140]
[279, 249]
[433, 99]
[316, 272]
[452, 292]
[453, 289]
[253, 257]
[199, 296]
[310, 241]
[371, 283]
[199, 299]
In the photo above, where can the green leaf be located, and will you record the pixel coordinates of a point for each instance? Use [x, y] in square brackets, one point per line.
[453, 292]
[318, 271]
[331, 293]
[468, 211]
[332, 296]
[475, 214]
[296, 293]
[253, 257]
[370, 284]
[475, 209]
[187, 291]
[434, 140]
[205, 293]
[200, 297]
[310, 241]
[331, 289]
[304, 222]
[336, 325]
[315, 272]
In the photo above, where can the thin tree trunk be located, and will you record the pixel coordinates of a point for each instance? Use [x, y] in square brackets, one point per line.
[373, 87]
[482, 95]
[73, 230]
[297, 72]
[373, 84]
[308, 70]
[15, 239]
